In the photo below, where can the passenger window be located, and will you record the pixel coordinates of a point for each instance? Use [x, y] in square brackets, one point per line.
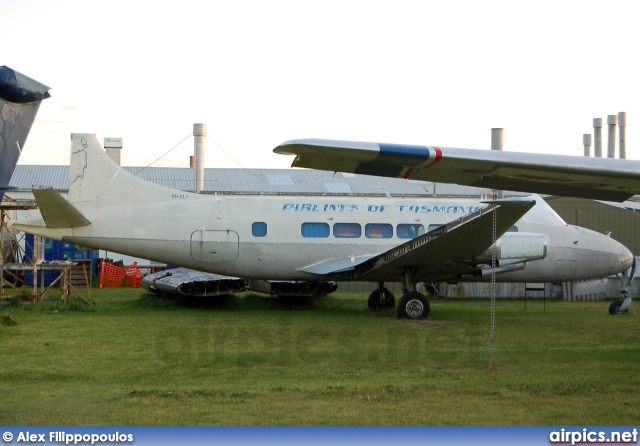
[259, 229]
[347, 230]
[378, 230]
[315, 230]
[432, 227]
[513, 229]
[409, 230]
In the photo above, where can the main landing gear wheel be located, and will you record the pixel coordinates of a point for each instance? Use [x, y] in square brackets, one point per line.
[413, 305]
[374, 300]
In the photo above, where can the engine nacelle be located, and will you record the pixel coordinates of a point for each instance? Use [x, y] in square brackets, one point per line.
[517, 247]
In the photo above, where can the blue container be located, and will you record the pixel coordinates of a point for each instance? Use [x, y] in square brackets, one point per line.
[55, 250]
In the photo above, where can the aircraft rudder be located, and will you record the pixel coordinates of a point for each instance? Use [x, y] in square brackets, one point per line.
[20, 98]
[90, 170]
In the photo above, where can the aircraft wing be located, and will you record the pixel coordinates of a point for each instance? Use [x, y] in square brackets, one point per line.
[448, 252]
[575, 176]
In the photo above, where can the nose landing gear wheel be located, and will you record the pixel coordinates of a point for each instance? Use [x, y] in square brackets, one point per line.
[413, 305]
[614, 308]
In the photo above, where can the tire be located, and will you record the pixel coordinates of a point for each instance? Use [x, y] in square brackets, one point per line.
[614, 308]
[413, 305]
[374, 300]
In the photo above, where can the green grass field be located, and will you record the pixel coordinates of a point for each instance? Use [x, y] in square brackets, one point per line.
[136, 360]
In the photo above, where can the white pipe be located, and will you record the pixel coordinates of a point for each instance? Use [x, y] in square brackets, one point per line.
[497, 140]
[199, 133]
[586, 141]
[497, 143]
[612, 120]
[622, 123]
[597, 137]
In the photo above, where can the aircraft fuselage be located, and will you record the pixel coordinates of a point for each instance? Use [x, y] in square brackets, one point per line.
[275, 236]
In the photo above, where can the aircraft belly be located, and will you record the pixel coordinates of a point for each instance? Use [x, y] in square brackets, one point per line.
[174, 252]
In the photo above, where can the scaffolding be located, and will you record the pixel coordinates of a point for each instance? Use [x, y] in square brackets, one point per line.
[15, 263]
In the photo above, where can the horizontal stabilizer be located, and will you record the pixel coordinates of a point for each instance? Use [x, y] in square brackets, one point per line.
[56, 211]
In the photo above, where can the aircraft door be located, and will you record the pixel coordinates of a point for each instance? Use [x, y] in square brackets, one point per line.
[214, 245]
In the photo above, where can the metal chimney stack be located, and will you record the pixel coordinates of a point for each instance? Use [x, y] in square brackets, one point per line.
[586, 141]
[497, 143]
[612, 121]
[597, 137]
[622, 123]
[199, 133]
[113, 147]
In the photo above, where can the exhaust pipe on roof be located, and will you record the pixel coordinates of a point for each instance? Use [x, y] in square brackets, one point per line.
[199, 133]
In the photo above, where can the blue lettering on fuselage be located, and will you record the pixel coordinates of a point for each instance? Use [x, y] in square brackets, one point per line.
[310, 207]
[403, 208]
[438, 209]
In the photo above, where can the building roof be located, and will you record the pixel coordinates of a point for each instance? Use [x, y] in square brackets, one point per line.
[255, 181]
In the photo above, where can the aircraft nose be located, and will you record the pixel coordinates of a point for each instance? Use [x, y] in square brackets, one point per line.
[621, 257]
[599, 255]
[626, 258]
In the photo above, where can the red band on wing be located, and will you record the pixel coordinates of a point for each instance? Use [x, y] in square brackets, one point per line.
[437, 159]
[408, 173]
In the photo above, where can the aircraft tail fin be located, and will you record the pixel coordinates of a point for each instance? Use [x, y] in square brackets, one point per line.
[100, 192]
[91, 170]
[98, 184]
[20, 98]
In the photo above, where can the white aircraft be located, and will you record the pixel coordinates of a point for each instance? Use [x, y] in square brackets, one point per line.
[312, 238]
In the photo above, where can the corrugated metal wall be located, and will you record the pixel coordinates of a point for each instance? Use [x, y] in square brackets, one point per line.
[623, 224]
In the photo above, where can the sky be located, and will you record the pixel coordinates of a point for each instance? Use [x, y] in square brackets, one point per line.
[259, 73]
